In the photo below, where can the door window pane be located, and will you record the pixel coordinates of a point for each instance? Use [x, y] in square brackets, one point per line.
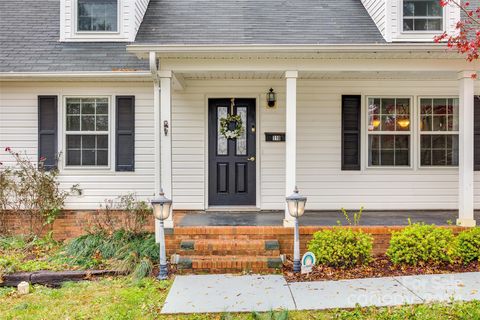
[222, 142]
[241, 141]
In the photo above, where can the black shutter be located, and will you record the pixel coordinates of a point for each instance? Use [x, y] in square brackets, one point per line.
[351, 113]
[125, 134]
[47, 130]
[476, 133]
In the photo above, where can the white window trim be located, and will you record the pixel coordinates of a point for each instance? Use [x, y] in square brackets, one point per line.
[96, 33]
[420, 133]
[424, 33]
[411, 133]
[111, 135]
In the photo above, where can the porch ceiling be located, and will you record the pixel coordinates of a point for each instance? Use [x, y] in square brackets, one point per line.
[327, 75]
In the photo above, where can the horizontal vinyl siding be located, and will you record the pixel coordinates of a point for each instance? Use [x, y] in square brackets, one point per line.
[319, 174]
[18, 130]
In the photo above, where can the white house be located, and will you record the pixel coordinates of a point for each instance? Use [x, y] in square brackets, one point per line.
[368, 111]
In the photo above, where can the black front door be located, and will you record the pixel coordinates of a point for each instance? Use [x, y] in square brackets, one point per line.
[231, 163]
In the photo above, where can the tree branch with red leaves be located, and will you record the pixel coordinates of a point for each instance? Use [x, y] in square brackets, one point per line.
[466, 39]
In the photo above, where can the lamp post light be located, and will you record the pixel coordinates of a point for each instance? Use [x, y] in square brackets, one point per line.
[161, 211]
[296, 208]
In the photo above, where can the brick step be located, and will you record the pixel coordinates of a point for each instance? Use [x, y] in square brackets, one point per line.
[207, 247]
[227, 264]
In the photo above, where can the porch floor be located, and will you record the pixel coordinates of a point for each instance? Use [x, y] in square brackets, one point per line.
[315, 218]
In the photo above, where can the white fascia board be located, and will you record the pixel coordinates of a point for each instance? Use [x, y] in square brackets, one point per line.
[314, 48]
[15, 76]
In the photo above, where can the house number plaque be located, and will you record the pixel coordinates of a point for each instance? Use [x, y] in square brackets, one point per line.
[275, 136]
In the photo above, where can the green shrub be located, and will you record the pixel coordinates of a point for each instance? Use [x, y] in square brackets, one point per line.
[123, 251]
[420, 244]
[341, 247]
[468, 245]
[31, 192]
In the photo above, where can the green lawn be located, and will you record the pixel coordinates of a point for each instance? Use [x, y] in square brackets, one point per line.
[122, 298]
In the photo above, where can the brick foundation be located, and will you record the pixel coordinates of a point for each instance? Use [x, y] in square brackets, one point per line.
[381, 235]
[69, 224]
[211, 248]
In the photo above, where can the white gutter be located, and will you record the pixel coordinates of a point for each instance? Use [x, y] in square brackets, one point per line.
[313, 48]
[74, 75]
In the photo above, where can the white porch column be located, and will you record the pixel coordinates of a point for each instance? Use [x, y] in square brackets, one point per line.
[465, 165]
[166, 137]
[291, 140]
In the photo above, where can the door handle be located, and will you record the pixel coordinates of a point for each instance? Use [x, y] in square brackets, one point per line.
[251, 159]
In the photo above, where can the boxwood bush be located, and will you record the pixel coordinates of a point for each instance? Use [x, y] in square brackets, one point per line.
[468, 245]
[341, 247]
[420, 244]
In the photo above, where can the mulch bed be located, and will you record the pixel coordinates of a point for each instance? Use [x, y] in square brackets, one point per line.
[380, 267]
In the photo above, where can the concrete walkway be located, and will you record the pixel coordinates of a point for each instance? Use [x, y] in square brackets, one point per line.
[231, 293]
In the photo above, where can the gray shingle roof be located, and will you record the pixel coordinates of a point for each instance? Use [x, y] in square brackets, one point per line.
[258, 22]
[29, 30]
[29, 34]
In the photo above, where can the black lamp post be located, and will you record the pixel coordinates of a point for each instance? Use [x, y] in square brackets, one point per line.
[296, 208]
[161, 210]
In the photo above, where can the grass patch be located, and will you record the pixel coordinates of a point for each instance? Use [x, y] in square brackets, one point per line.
[20, 253]
[122, 298]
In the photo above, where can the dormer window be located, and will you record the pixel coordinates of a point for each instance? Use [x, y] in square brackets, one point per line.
[97, 15]
[422, 15]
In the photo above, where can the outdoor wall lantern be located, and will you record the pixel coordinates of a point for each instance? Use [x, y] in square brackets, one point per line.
[271, 98]
[296, 208]
[161, 210]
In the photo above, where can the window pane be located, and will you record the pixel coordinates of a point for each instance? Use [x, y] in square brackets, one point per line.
[426, 123]
[434, 9]
[97, 15]
[388, 106]
[102, 142]
[87, 114]
[439, 150]
[389, 150]
[420, 8]
[408, 8]
[73, 142]
[88, 106]
[88, 157]
[73, 157]
[426, 106]
[102, 108]
[434, 24]
[420, 25]
[73, 107]
[88, 123]
[73, 123]
[403, 106]
[408, 24]
[388, 123]
[102, 158]
[102, 123]
[439, 123]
